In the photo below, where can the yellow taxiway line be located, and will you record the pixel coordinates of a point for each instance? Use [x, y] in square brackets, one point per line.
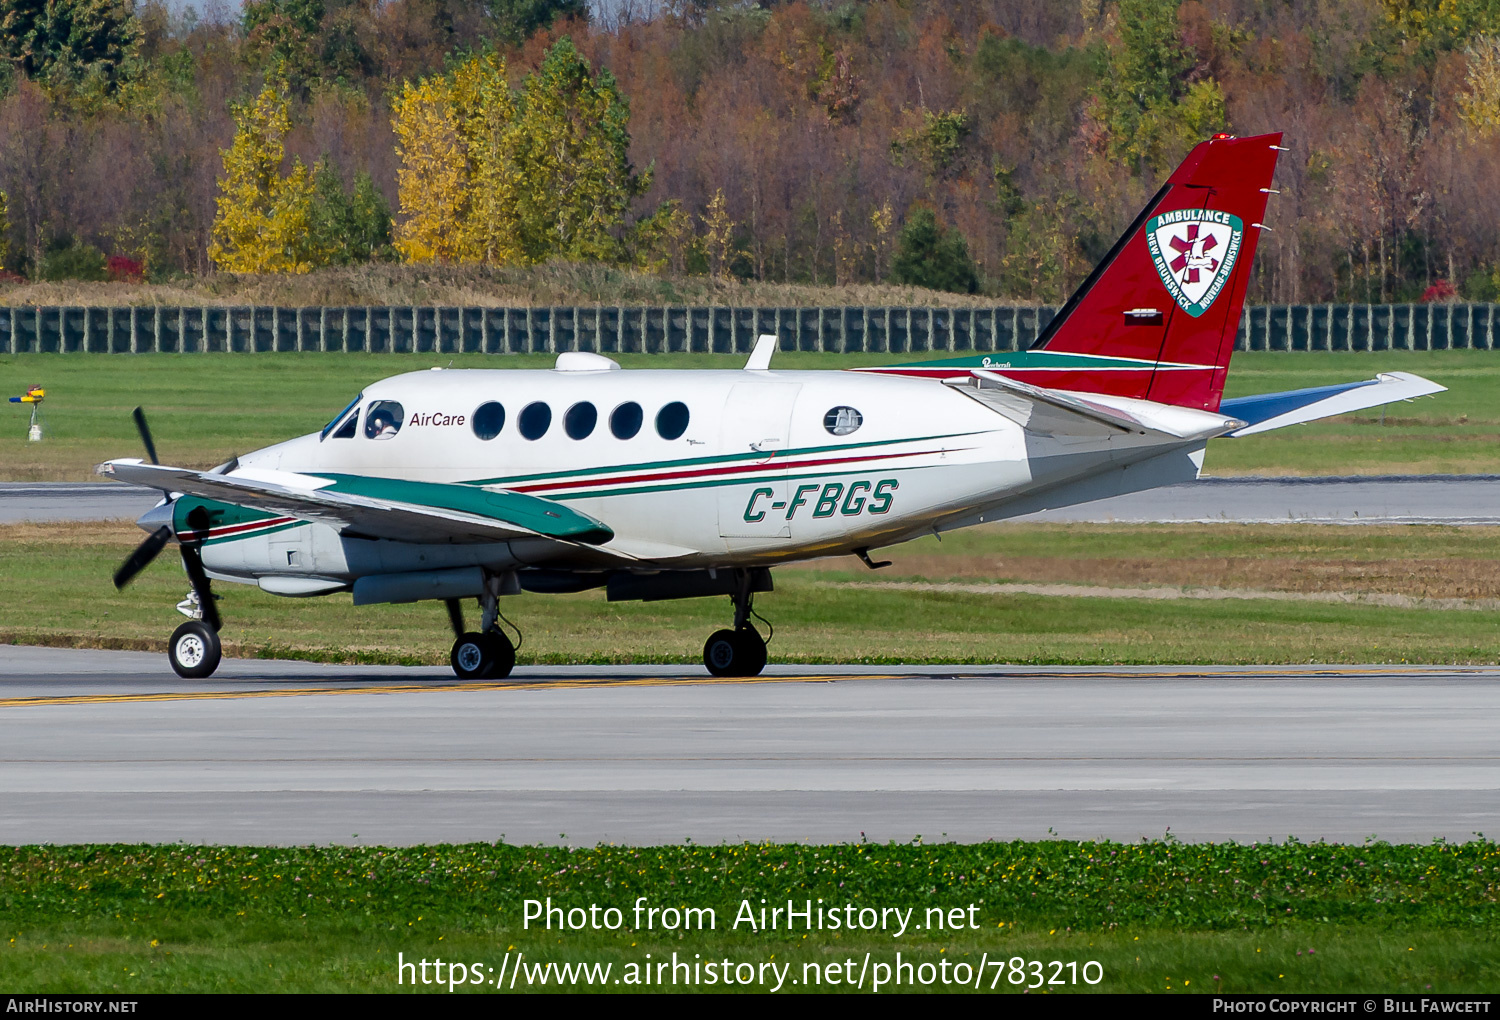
[695, 681]
[433, 688]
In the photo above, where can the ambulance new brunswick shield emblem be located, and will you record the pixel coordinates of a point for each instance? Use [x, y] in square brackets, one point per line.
[1194, 251]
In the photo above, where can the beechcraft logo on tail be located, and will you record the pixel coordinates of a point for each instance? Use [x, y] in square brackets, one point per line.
[1194, 251]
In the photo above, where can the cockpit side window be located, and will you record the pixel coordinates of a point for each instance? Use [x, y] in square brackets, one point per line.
[346, 430]
[335, 419]
[383, 419]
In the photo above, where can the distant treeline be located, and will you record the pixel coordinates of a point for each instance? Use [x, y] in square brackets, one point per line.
[997, 146]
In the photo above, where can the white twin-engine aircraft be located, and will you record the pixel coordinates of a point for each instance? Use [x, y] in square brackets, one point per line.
[677, 484]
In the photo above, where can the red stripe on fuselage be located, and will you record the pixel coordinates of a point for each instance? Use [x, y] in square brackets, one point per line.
[710, 472]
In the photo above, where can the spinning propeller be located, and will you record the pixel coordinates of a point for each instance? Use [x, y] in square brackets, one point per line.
[190, 542]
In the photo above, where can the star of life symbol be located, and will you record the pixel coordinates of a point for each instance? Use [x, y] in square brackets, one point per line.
[1194, 251]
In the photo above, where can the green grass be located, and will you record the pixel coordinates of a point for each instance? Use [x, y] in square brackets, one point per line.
[205, 408]
[1157, 916]
[54, 583]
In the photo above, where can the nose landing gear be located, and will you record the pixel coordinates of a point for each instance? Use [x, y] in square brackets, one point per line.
[741, 651]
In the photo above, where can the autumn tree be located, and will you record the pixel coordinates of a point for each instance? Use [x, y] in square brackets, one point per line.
[573, 176]
[264, 218]
[457, 177]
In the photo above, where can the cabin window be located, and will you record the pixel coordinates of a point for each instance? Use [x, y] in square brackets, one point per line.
[580, 420]
[335, 419]
[625, 421]
[842, 420]
[672, 420]
[383, 419]
[535, 420]
[489, 419]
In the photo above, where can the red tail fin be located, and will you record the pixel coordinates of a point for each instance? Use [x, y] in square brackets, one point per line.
[1168, 296]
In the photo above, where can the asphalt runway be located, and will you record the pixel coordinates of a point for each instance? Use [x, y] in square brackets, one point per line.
[111, 746]
[1396, 499]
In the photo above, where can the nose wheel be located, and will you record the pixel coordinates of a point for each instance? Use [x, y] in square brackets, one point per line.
[194, 650]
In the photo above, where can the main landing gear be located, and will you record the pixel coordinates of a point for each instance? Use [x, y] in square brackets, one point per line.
[741, 651]
[487, 654]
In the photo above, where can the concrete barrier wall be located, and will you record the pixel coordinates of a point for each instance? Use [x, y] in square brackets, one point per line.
[441, 330]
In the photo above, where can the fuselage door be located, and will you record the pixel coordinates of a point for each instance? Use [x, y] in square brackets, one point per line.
[755, 432]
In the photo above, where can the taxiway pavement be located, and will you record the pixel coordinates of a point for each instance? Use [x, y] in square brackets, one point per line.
[111, 746]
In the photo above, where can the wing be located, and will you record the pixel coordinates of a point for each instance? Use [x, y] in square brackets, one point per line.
[1066, 413]
[1266, 411]
[360, 505]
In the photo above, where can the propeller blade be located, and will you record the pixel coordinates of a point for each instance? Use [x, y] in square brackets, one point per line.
[192, 561]
[456, 616]
[145, 431]
[143, 555]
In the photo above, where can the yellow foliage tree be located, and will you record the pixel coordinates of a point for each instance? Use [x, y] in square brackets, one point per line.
[263, 218]
[487, 178]
[433, 181]
[1479, 100]
[485, 114]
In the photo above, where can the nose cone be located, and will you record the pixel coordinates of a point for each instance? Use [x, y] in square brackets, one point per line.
[157, 516]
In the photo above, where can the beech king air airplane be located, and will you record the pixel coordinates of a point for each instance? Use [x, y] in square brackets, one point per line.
[658, 484]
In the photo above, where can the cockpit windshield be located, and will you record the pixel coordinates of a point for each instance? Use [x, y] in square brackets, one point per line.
[339, 417]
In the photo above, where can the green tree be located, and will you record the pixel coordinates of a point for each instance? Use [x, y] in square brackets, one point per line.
[1152, 110]
[514, 21]
[4, 231]
[42, 37]
[264, 219]
[933, 256]
[573, 176]
[67, 259]
[346, 229]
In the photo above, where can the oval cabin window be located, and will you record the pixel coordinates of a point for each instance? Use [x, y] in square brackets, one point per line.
[625, 421]
[580, 420]
[535, 420]
[672, 420]
[489, 419]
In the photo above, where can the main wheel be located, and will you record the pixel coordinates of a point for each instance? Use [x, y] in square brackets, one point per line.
[471, 656]
[734, 653]
[194, 650]
[502, 656]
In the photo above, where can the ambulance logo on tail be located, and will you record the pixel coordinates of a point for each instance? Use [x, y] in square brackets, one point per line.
[1194, 251]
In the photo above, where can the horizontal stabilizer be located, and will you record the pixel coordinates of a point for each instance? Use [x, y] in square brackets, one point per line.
[1266, 411]
[1063, 413]
[388, 508]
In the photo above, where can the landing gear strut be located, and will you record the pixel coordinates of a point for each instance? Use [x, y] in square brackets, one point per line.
[487, 654]
[741, 651]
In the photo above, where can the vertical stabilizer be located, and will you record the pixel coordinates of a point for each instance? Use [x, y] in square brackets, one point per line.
[1168, 296]
[1157, 317]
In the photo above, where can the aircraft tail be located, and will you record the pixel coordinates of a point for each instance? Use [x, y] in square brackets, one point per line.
[1157, 318]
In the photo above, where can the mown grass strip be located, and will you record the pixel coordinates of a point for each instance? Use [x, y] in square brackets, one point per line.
[1159, 915]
